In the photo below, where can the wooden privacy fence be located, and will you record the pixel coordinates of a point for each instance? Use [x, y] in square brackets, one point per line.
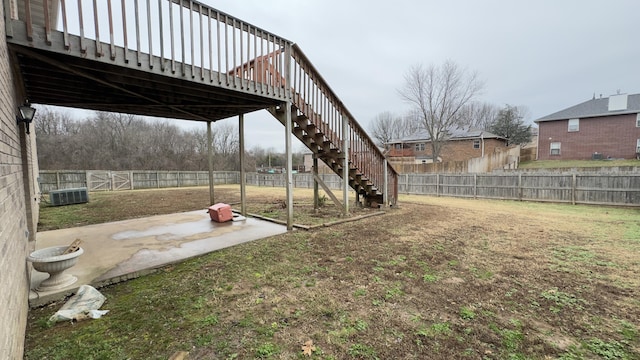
[573, 188]
[502, 160]
[576, 188]
[305, 180]
[128, 180]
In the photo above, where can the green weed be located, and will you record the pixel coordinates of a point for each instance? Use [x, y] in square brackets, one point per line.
[608, 350]
[360, 292]
[562, 300]
[429, 278]
[467, 313]
[266, 350]
[361, 350]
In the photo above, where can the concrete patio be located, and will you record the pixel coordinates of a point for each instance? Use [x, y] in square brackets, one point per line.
[123, 250]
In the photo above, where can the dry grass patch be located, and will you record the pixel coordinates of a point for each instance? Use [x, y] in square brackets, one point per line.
[436, 278]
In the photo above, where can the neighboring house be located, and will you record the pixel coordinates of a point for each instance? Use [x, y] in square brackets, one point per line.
[462, 144]
[595, 129]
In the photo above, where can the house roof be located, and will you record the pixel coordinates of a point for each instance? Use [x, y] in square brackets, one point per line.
[593, 108]
[454, 134]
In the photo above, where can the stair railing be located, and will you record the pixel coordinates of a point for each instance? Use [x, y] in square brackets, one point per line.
[314, 98]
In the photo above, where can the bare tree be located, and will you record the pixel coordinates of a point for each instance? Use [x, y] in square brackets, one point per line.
[386, 127]
[478, 115]
[111, 141]
[438, 94]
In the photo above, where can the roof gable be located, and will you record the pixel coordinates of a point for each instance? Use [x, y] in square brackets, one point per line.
[594, 108]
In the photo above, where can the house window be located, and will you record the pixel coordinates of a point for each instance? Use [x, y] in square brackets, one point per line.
[574, 125]
[398, 146]
[420, 147]
[637, 147]
[638, 120]
[555, 148]
[476, 144]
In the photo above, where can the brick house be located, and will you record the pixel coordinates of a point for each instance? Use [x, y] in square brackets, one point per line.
[462, 144]
[595, 129]
[19, 199]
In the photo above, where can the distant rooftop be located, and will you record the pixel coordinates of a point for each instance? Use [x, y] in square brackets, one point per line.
[454, 134]
[598, 107]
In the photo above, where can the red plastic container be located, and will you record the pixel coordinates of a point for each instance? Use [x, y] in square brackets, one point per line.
[220, 212]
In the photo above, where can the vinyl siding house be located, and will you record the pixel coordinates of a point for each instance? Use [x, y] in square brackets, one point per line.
[462, 144]
[600, 128]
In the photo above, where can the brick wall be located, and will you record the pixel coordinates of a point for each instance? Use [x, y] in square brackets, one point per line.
[614, 136]
[17, 220]
[463, 150]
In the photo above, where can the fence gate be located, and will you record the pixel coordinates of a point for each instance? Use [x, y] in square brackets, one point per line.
[121, 180]
[99, 181]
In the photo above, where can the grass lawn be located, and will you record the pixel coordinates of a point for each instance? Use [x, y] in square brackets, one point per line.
[435, 278]
[561, 164]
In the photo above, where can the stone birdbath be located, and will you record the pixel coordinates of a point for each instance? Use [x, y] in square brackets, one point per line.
[54, 261]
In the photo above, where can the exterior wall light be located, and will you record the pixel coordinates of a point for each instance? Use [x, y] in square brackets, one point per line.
[25, 115]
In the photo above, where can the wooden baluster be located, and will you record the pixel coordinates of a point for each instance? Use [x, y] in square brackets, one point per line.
[27, 13]
[124, 31]
[150, 39]
[137, 33]
[83, 46]
[65, 31]
[112, 43]
[193, 60]
[47, 22]
[161, 30]
[173, 48]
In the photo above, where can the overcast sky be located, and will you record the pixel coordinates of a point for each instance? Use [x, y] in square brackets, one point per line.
[546, 55]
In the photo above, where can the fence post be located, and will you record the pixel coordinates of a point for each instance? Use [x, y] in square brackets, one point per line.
[574, 181]
[437, 184]
[520, 186]
[158, 179]
[475, 186]
[58, 180]
[130, 180]
[406, 183]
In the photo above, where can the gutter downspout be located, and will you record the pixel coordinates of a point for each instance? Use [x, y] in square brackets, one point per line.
[482, 141]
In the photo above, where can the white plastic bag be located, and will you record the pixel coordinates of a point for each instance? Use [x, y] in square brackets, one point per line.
[85, 304]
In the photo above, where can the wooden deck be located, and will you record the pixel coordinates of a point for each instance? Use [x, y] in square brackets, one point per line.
[181, 59]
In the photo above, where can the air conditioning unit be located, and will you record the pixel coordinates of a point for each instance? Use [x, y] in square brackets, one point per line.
[68, 196]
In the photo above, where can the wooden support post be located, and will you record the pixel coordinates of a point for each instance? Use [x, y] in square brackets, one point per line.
[345, 164]
[243, 182]
[328, 191]
[315, 182]
[210, 158]
[385, 187]
[289, 167]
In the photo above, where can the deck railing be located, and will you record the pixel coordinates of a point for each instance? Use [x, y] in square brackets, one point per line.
[189, 39]
[178, 36]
